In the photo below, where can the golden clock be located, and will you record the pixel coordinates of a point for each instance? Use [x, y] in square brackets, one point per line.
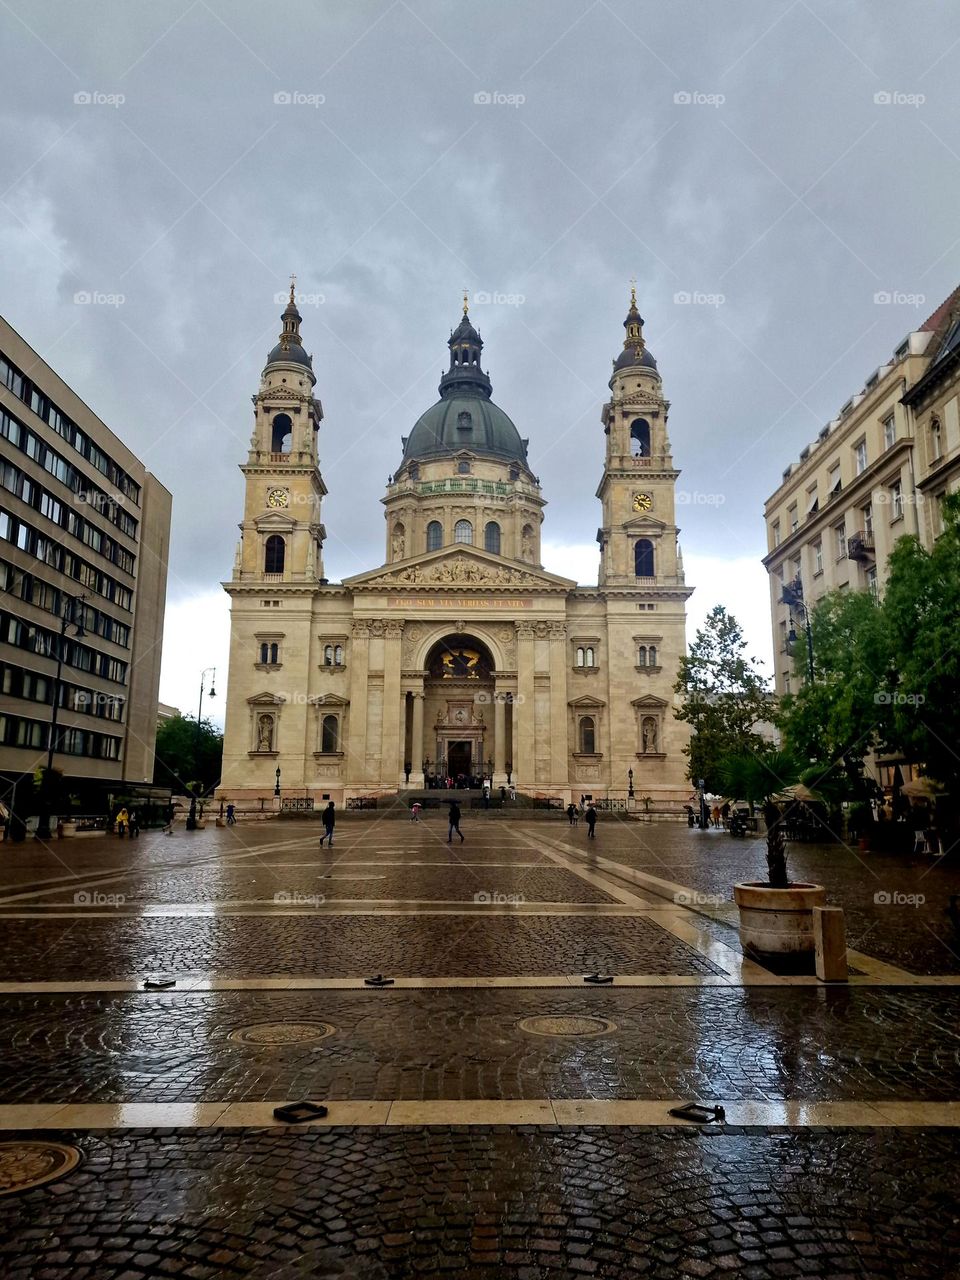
[278, 498]
[642, 502]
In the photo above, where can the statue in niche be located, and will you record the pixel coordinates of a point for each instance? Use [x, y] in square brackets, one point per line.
[649, 735]
[526, 545]
[399, 545]
[265, 733]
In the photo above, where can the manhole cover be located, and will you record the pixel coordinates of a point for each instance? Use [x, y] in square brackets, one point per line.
[282, 1032]
[24, 1165]
[566, 1025]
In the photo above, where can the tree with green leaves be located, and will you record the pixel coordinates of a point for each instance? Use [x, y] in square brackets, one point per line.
[760, 778]
[724, 697]
[836, 720]
[185, 758]
[921, 607]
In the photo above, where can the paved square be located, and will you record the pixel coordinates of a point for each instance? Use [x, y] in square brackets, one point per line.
[489, 1112]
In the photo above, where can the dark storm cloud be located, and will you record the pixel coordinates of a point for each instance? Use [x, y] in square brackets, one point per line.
[392, 153]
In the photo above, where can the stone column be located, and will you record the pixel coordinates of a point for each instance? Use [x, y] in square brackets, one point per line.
[559, 750]
[356, 744]
[416, 749]
[499, 738]
[524, 710]
[391, 756]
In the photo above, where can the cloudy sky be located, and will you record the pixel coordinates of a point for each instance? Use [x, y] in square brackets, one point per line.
[780, 176]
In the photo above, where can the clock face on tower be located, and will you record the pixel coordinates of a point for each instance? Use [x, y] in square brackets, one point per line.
[642, 502]
[278, 498]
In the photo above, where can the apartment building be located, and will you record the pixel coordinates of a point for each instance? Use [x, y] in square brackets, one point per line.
[84, 539]
[877, 471]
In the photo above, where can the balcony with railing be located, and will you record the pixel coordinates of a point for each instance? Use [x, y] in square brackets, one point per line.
[860, 545]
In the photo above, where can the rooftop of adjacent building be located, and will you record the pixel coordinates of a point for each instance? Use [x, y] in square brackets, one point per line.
[67, 402]
[937, 338]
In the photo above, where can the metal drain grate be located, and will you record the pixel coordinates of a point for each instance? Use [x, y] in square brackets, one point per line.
[24, 1165]
[566, 1025]
[282, 1033]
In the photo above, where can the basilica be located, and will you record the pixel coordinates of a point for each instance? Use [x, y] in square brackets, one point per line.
[460, 656]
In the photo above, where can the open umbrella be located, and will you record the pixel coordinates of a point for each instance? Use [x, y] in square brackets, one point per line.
[922, 789]
[799, 792]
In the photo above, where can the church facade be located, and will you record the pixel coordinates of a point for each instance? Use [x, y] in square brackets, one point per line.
[460, 656]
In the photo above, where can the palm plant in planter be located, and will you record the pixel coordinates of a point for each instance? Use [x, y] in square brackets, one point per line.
[776, 917]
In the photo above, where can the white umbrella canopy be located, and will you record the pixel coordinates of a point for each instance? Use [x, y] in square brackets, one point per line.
[922, 789]
[799, 792]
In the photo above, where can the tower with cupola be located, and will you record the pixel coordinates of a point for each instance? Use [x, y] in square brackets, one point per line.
[464, 476]
[281, 536]
[638, 538]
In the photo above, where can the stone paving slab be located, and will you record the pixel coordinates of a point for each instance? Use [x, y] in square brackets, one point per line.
[816, 1044]
[409, 883]
[342, 946]
[523, 1203]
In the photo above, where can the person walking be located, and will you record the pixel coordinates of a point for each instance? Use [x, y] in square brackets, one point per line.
[415, 811]
[231, 815]
[716, 815]
[454, 822]
[571, 813]
[591, 818]
[329, 821]
[122, 820]
[134, 824]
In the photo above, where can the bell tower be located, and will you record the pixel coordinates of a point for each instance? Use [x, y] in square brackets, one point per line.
[281, 536]
[638, 538]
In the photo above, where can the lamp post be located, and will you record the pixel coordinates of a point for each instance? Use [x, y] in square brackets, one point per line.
[72, 616]
[191, 823]
[276, 789]
[793, 598]
[629, 784]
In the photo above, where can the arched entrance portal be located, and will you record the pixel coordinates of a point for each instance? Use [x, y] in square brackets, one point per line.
[458, 711]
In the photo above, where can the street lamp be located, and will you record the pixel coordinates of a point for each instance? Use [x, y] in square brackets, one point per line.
[793, 598]
[191, 823]
[629, 784]
[276, 789]
[72, 616]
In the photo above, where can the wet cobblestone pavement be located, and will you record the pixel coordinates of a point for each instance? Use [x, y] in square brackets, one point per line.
[342, 946]
[477, 1191]
[814, 1043]
[521, 1203]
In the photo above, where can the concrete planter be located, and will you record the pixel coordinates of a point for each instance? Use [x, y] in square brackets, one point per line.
[778, 922]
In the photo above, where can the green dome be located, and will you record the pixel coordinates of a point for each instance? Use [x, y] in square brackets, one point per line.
[464, 421]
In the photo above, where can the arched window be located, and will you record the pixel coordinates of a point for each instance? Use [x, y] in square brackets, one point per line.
[434, 535]
[281, 437]
[264, 653]
[652, 655]
[491, 538]
[463, 531]
[274, 654]
[275, 554]
[338, 655]
[588, 736]
[328, 655]
[329, 734]
[588, 657]
[640, 438]
[580, 654]
[642, 656]
[643, 558]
